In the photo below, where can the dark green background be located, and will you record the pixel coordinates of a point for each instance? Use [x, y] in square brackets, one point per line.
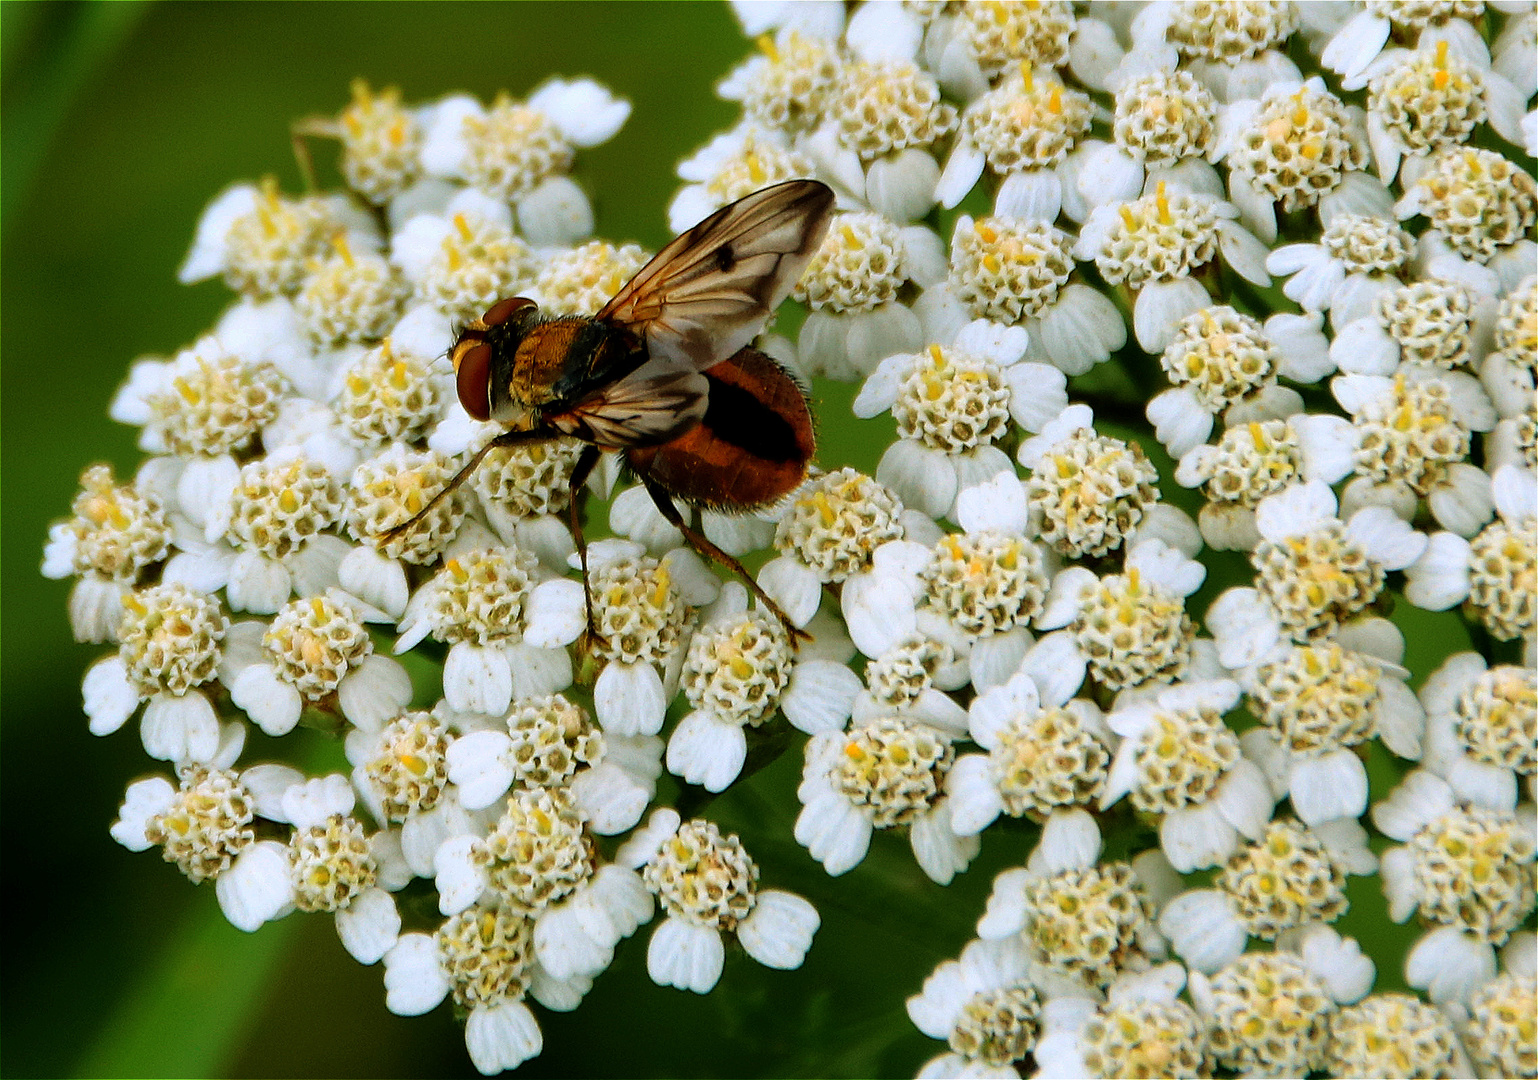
[119, 123]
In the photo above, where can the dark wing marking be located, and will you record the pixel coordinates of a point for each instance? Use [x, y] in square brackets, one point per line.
[710, 291]
[648, 407]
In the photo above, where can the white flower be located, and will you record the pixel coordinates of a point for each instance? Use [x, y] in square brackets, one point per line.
[485, 957]
[1023, 130]
[544, 741]
[1316, 702]
[983, 1004]
[709, 886]
[1301, 535]
[733, 164]
[851, 286]
[1493, 572]
[1141, 1027]
[1270, 1012]
[952, 404]
[1155, 243]
[1178, 759]
[740, 671]
[1225, 363]
[1129, 629]
[506, 629]
[313, 647]
[1466, 865]
[1353, 264]
[520, 153]
[1040, 754]
[880, 774]
[1016, 272]
[1479, 727]
[640, 608]
[1288, 878]
[537, 859]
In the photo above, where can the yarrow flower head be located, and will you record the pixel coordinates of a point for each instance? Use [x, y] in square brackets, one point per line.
[990, 630]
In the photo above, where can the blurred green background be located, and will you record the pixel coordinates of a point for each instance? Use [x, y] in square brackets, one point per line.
[120, 121]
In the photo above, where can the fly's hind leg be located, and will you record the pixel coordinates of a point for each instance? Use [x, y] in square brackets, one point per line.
[579, 474]
[699, 542]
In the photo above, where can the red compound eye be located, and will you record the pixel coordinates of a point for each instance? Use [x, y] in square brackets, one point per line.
[473, 380]
[503, 310]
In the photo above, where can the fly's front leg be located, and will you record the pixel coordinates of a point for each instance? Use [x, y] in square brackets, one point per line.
[700, 543]
[579, 474]
[299, 132]
[507, 438]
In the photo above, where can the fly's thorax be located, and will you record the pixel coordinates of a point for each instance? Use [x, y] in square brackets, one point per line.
[539, 366]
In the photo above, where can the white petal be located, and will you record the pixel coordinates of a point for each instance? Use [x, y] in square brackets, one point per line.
[1386, 538]
[478, 767]
[707, 751]
[1204, 929]
[995, 658]
[374, 579]
[374, 692]
[778, 931]
[901, 186]
[834, 833]
[1449, 964]
[1440, 577]
[144, 799]
[273, 704]
[878, 610]
[1032, 194]
[1180, 422]
[110, 699]
[940, 852]
[180, 729]
[973, 797]
[922, 477]
[997, 504]
[792, 585]
[685, 955]
[1242, 625]
[1160, 306]
[629, 700]
[1083, 328]
[960, 175]
[1070, 840]
[502, 1036]
[820, 696]
[613, 798]
[256, 888]
[1331, 786]
[414, 979]
[1195, 837]
[369, 926]
[1420, 798]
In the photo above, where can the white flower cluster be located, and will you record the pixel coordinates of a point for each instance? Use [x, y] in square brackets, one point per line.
[998, 617]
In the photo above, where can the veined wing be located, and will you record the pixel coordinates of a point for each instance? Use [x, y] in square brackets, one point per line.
[710, 291]
[643, 409]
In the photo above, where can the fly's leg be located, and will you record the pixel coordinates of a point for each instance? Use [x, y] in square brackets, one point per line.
[507, 438]
[699, 542]
[579, 474]
[299, 132]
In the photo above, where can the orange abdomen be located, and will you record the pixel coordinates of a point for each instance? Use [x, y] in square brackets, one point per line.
[752, 447]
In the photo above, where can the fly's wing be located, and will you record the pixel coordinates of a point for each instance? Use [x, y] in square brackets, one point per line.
[710, 291]
[643, 409]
